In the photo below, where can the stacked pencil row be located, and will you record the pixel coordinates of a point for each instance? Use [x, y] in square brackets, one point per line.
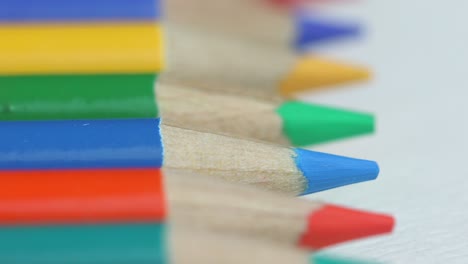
[86, 59]
[82, 148]
[69, 72]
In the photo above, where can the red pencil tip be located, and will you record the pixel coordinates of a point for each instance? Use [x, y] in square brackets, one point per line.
[333, 224]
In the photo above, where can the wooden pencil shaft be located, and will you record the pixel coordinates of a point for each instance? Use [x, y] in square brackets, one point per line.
[225, 64]
[217, 113]
[189, 247]
[268, 166]
[242, 18]
[206, 204]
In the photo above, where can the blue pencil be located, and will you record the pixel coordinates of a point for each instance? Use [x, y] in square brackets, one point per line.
[136, 143]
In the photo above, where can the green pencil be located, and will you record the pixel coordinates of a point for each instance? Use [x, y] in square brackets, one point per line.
[132, 96]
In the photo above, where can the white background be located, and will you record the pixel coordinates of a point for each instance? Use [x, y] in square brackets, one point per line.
[418, 50]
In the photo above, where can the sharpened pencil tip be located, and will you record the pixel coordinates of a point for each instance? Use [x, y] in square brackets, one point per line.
[311, 73]
[324, 171]
[325, 259]
[333, 225]
[306, 124]
[311, 31]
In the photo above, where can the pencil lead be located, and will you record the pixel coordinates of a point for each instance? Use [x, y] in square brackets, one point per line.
[326, 259]
[311, 31]
[306, 124]
[333, 225]
[313, 73]
[326, 171]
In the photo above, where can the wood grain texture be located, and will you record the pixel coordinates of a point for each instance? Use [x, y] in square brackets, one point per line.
[202, 203]
[227, 64]
[270, 167]
[220, 114]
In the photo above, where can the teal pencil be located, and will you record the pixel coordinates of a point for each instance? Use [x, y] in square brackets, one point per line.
[143, 243]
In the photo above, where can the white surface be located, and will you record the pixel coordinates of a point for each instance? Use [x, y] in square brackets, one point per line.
[419, 52]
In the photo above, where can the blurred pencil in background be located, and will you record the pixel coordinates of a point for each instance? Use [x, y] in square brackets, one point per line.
[199, 202]
[32, 11]
[140, 243]
[204, 247]
[256, 21]
[234, 66]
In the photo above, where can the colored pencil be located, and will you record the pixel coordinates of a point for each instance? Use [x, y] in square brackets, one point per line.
[202, 247]
[291, 122]
[80, 144]
[240, 67]
[82, 196]
[199, 202]
[80, 48]
[136, 143]
[83, 10]
[139, 243]
[289, 170]
[77, 96]
[253, 20]
[106, 196]
[84, 244]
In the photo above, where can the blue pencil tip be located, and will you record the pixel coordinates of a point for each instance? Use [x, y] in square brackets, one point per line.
[311, 31]
[326, 171]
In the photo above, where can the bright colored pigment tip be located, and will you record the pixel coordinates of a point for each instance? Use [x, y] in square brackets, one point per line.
[311, 31]
[311, 73]
[307, 124]
[333, 225]
[326, 259]
[326, 171]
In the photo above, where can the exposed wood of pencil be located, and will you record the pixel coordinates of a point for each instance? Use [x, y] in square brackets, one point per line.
[207, 204]
[189, 247]
[216, 113]
[269, 166]
[248, 19]
[225, 64]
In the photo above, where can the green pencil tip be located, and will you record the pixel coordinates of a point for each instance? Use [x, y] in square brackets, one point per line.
[325, 259]
[307, 124]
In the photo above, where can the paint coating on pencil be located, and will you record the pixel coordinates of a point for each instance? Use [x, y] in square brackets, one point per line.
[86, 196]
[86, 48]
[58, 97]
[78, 10]
[84, 244]
[75, 144]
